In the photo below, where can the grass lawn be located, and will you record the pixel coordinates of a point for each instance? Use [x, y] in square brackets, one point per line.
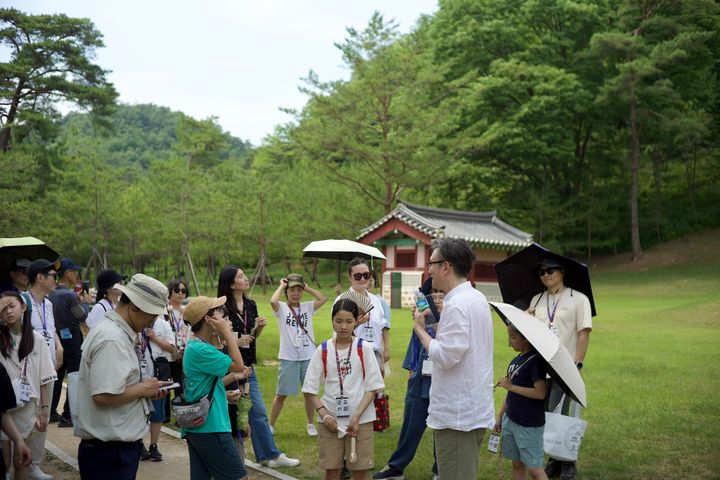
[652, 371]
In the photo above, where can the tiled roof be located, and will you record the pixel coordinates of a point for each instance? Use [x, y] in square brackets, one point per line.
[478, 228]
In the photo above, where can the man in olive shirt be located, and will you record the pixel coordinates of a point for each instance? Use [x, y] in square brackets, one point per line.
[113, 398]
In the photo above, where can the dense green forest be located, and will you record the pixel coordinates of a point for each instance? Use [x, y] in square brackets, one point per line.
[592, 124]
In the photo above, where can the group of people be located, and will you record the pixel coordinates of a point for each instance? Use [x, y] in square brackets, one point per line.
[140, 328]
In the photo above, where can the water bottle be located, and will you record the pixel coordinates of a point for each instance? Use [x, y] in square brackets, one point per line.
[422, 304]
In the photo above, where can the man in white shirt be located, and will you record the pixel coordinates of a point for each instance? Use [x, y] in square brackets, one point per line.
[461, 356]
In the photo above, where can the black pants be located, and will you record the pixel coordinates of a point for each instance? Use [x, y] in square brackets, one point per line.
[108, 460]
[71, 363]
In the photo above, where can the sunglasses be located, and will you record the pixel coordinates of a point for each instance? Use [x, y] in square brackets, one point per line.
[549, 271]
[184, 291]
[359, 276]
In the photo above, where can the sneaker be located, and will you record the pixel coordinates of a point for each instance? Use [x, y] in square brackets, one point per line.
[65, 422]
[144, 454]
[388, 473]
[35, 473]
[283, 461]
[272, 429]
[54, 417]
[155, 454]
[312, 431]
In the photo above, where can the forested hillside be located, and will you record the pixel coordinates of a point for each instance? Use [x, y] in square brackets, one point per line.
[591, 124]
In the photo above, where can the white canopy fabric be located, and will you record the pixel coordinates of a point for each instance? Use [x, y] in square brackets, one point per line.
[561, 365]
[340, 250]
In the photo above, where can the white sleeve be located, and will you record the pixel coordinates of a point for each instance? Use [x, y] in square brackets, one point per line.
[373, 378]
[314, 375]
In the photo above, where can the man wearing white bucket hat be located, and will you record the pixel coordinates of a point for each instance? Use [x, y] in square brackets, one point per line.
[113, 399]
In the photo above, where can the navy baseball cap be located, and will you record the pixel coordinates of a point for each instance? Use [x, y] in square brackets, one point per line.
[68, 264]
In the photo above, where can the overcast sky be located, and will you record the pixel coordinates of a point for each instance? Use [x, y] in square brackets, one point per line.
[237, 60]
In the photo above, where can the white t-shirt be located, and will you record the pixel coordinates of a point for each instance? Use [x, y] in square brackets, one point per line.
[371, 331]
[354, 384]
[98, 312]
[43, 322]
[180, 328]
[296, 344]
[163, 330]
[572, 314]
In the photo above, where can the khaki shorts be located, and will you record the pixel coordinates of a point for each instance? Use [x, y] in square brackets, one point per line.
[334, 450]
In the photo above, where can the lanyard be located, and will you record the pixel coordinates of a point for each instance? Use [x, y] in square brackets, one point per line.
[551, 316]
[176, 320]
[143, 343]
[44, 313]
[516, 369]
[337, 361]
[243, 319]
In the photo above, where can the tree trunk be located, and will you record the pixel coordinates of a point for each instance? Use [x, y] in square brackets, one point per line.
[657, 164]
[634, 171]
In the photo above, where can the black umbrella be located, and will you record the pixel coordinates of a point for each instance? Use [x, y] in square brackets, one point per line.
[12, 249]
[519, 282]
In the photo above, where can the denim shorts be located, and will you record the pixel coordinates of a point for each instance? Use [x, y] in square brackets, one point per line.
[522, 443]
[158, 415]
[291, 375]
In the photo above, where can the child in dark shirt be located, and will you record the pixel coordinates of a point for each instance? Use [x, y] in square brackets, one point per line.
[522, 416]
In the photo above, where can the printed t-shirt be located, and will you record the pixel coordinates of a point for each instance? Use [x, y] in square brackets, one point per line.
[202, 364]
[295, 344]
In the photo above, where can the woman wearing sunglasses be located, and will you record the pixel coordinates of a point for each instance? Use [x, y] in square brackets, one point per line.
[177, 293]
[375, 330]
[568, 315]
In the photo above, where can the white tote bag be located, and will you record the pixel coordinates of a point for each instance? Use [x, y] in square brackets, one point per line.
[563, 435]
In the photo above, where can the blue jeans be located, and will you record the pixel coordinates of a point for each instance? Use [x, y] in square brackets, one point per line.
[413, 427]
[262, 440]
[214, 455]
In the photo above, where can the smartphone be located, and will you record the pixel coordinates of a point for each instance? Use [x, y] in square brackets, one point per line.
[172, 386]
[86, 286]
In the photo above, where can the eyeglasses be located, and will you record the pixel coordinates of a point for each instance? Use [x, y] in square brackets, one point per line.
[360, 276]
[184, 291]
[429, 264]
[549, 271]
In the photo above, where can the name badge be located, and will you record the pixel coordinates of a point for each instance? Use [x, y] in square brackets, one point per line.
[24, 392]
[65, 334]
[46, 336]
[493, 442]
[301, 340]
[427, 368]
[143, 368]
[342, 407]
[369, 333]
[554, 329]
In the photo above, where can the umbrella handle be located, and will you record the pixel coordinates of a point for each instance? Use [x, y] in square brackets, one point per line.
[353, 455]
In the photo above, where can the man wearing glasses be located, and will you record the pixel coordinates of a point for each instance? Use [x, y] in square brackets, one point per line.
[461, 356]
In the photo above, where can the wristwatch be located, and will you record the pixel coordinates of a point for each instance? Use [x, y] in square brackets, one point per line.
[579, 365]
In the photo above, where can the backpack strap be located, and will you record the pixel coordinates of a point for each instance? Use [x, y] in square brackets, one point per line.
[324, 358]
[360, 354]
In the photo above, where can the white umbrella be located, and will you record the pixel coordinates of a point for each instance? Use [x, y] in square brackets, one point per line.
[561, 365]
[340, 250]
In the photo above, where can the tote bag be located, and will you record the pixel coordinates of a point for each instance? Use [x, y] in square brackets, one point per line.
[563, 435]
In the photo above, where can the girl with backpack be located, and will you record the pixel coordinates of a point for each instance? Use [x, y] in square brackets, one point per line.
[351, 376]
